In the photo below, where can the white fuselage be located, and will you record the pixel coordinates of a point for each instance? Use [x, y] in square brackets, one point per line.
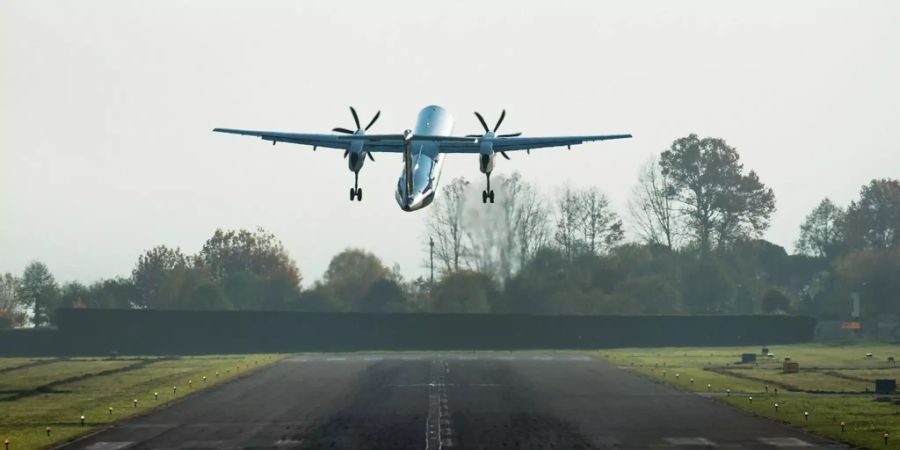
[417, 185]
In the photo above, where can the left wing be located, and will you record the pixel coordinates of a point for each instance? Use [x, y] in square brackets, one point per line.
[508, 144]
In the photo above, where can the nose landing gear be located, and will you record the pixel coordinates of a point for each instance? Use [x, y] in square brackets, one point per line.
[487, 194]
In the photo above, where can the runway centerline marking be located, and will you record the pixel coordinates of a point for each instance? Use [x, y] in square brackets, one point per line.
[438, 433]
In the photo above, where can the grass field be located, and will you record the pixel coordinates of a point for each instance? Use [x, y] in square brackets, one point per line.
[831, 386]
[56, 393]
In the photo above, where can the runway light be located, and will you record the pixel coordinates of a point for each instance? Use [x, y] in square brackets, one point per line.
[6, 443]
[750, 399]
[806, 415]
[156, 396]
[842, 426]
[217, 374]
[886, 438]
[776, 407]
[82, 420]
[110, 410]
[677, 375]
[174, 390]
[728, 392]
[190, 383]
[708, 387]
[204, 378]
[692, 381]
[48, 431]
[135, 403]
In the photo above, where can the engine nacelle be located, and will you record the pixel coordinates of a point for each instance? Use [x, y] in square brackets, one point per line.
[486, 159]
[486, 162]
[356, 157]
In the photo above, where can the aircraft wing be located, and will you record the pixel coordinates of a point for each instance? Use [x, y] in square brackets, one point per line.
[315, 140]
[508, 144]
[390, 143]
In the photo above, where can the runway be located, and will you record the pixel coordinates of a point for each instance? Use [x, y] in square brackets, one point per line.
[447, 401]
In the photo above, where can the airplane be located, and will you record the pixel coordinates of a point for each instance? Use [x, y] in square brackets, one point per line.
[423, 150]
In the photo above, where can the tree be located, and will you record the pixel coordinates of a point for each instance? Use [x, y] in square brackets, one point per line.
[38, 290]
[707, 288]
[586, 223]
[720, 203]
[74, 295]
[874, 274]
[524, 220]
[351, 274]
[464, 292]
[149, 272]
[653, 293]
[12, 314]
[231, 252]
[874, 220]
[652, 207]
[777, 300]
[113, 293]
[191, 288]
[253, 268]
[384, 296]
[445, 225]
[822, 233]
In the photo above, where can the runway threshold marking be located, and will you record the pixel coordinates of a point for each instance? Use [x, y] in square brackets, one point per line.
[108, 445]
[690, 441]
[784, 442]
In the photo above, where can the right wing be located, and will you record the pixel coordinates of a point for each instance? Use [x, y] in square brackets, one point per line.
[315, 140]
[390, 143]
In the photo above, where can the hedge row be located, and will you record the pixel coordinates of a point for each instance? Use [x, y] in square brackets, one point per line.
[99, 332]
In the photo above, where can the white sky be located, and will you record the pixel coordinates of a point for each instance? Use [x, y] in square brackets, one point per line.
[106, 109]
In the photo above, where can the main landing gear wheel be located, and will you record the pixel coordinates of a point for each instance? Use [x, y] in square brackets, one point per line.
[485, 196]
[355, 194]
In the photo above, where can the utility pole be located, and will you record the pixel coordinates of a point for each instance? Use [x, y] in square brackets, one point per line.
[431, 246]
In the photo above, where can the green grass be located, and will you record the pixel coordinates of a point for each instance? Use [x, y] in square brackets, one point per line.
[838, 369]
[32, 377]
[7, 363]
[23, 421]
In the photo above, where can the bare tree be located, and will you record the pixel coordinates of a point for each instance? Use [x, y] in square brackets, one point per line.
[445, 225]
[524, 220]
[652, 207]
[586, 223]
[600, 227]
[568, 214]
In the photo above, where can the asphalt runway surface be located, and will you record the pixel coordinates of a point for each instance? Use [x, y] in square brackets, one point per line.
[447, 401]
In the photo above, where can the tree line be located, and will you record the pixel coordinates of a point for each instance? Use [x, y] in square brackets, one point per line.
[696, 217]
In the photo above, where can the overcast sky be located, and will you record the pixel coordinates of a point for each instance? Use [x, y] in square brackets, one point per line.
[106, 109]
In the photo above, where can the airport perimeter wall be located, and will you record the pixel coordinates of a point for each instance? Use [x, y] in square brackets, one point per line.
[102, 331]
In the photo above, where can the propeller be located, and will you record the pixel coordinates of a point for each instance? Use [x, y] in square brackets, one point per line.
[359, 128]
[489, 133]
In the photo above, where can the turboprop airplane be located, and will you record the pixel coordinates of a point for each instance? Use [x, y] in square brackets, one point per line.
[423, 150]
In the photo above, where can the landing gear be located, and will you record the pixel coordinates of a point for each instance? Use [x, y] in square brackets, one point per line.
[356, 191]
[487, 194]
